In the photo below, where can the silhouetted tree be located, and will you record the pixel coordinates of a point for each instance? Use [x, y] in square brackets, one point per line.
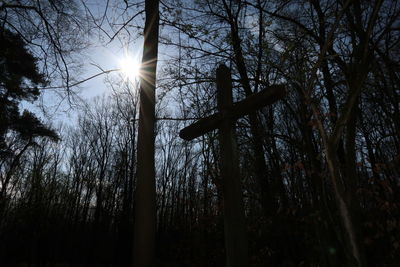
[19, 78]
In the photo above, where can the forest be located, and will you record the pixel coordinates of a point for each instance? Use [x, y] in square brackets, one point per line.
[316, 179]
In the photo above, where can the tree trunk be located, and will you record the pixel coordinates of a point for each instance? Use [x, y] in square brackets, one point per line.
[145, 211]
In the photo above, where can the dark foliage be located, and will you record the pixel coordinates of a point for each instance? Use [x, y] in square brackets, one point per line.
[19, 78]
[326, 155]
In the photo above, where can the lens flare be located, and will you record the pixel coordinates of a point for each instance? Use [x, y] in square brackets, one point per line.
[130, 68]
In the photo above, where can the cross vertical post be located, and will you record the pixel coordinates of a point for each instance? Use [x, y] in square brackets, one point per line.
[234, 217]
[224, 120]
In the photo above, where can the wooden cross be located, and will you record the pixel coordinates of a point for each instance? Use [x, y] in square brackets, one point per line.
[224, 120]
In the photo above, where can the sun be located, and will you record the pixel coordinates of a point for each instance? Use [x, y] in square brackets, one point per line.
[130, 67]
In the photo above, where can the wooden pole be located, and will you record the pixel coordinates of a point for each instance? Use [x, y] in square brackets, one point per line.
[224, 120]
[234, 217]
[145, 197]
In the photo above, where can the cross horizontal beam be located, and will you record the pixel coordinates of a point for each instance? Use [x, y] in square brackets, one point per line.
[239, 109]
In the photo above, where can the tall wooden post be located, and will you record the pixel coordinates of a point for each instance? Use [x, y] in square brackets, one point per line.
[145, 197]
[234, 217]
[224, 119]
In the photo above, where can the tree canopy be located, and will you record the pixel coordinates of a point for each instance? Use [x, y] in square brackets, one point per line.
[319, 170]
[19, 78]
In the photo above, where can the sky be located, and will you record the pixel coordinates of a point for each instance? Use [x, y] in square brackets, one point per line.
[53, 106]
[101, 55]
